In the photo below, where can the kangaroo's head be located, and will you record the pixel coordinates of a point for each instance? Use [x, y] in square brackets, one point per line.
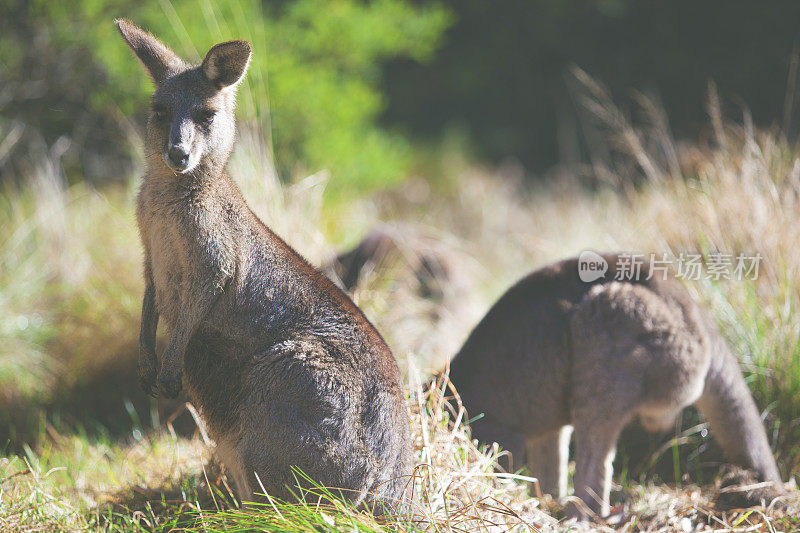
[191, 123]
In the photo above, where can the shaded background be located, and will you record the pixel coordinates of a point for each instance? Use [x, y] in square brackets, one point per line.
[501, 73]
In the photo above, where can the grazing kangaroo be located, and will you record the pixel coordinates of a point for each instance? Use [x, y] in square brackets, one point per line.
[287, 371]
[430, 270]
[555, 351]
[348, 266]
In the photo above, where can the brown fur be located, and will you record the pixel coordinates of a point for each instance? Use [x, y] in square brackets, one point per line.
[286, 370]
[556, 352]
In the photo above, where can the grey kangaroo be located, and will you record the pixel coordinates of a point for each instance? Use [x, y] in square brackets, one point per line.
[555, 351]
[287, 371]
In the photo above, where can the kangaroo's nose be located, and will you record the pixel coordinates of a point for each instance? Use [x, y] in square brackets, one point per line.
[178, 156]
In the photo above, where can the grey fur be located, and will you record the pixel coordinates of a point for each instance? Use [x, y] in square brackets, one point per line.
[555, 352]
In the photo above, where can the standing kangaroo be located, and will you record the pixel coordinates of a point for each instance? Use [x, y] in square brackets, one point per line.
[286, 370]
[555, 351]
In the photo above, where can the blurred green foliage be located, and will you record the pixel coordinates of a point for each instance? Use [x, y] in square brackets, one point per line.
[312, 85]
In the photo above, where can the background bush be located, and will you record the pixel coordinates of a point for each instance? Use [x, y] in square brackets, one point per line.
[334, 81]
[312, 87]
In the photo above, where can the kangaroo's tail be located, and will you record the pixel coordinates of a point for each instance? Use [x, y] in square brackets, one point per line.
[733, 416]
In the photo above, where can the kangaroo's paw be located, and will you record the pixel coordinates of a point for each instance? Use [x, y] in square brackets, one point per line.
[147, 379]
[169, 386]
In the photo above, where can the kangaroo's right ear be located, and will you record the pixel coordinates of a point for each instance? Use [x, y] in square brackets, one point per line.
[226, 63]
[157, 59]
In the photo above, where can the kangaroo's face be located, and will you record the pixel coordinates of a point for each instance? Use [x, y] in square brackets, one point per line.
[191, 122]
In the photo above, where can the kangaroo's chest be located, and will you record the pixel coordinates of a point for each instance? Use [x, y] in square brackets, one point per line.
[166, 254]
[191, 249]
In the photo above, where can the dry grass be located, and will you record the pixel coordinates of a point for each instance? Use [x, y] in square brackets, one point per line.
[70, 284]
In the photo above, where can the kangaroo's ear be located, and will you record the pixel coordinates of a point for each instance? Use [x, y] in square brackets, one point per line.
[226, 63]
[157, 59]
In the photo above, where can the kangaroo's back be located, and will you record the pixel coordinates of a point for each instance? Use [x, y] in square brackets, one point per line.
[523, 339]
[527, 338]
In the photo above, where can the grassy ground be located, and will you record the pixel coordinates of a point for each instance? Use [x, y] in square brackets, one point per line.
[86, 450]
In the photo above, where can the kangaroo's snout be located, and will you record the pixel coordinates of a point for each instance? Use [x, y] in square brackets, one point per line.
[178, 158]
[178, 152]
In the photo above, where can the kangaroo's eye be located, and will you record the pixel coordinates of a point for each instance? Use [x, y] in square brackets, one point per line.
[205, 117]
[159, 112]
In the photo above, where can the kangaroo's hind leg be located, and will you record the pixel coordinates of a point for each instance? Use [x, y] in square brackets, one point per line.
[226, 453]
[548, 459]
[604, 402]
[595, 447]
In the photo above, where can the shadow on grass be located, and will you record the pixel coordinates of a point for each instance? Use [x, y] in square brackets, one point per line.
[176, 505]
[207, 504]
[101, 400]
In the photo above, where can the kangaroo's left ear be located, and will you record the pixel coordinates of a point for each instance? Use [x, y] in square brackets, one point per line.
[226, 63]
